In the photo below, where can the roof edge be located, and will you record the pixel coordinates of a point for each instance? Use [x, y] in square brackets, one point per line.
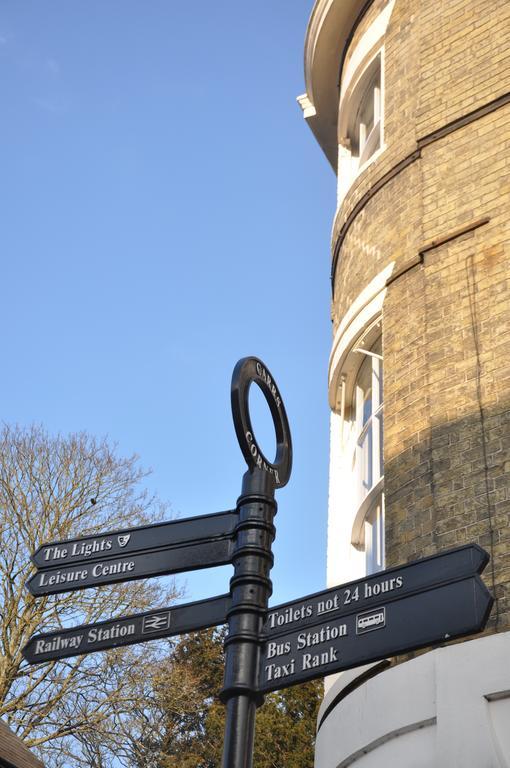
[327, 35]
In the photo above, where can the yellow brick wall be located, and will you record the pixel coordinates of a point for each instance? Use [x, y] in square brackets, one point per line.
[464, 56]
[446, 322]
[432, 79]
[369, 246]
[401, 72]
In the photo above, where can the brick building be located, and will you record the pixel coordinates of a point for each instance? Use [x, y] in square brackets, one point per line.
[410, 102]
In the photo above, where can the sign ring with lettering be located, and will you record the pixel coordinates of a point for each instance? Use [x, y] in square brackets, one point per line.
[248, 370]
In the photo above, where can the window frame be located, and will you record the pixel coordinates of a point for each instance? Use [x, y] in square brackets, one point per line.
[371, 427]
[353, 160]
[370, 497]
[367, 87]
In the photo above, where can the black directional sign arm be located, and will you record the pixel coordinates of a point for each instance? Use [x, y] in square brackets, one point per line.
[86, 549]
[430, 617]
[127, 630]
[204, 554]
[391, 584]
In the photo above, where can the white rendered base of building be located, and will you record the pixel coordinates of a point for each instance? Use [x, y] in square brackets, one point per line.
[449, 708]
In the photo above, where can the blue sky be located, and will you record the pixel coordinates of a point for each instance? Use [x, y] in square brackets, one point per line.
[165, 212]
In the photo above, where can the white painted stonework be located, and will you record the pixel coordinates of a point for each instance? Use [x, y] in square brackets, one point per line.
[449, 708]
[345, 562]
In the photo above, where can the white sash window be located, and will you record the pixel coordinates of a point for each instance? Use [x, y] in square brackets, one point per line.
[368, 453]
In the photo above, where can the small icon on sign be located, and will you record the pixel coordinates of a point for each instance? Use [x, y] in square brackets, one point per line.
[156, 622]
[123, 540]
[366, 622]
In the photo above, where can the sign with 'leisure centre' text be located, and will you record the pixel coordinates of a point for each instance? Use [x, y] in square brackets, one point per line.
[134, 553]
[136, 566]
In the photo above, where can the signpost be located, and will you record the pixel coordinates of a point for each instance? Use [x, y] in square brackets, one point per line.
[429, 601]
[250, 587]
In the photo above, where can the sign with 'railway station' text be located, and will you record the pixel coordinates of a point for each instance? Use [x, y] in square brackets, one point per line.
[127, 630]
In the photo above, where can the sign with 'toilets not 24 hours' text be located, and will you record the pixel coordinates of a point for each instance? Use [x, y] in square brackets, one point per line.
[395, 611]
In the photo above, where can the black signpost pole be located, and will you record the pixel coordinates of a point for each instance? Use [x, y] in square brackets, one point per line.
[250, 586]
[250, 591]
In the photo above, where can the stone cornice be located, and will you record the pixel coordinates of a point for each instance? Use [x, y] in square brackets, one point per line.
[328, 31]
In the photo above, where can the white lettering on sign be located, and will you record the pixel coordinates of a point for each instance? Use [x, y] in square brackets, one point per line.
[58, 643]
[324, 635]
[55, 553]
[289, 615]
[380, 587]
[112, 569]
[49, 578]
[97, 634]
[330, 604]
[333, 601]
[259, 461]
[264, 375]
[275, 671]
[313, 660]
[88, 548]
[296, 647]
[277, 649]
[78, 549]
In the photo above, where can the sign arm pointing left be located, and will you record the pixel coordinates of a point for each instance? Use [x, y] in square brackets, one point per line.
[127, 630]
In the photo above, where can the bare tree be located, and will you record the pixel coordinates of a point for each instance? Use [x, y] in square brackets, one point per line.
[54, 488]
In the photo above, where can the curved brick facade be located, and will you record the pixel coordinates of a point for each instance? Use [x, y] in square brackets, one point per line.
[421, 250]
[435, 204]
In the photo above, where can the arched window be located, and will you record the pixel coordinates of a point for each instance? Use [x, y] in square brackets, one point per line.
[368, 407]
[356, 542]
[364, 126]
[374, 536]
[360, 124]
[368, 468]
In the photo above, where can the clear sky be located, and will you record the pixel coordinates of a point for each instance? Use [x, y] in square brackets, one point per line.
[166, 211]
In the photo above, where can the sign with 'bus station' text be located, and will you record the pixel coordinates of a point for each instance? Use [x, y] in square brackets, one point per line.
[425, 602]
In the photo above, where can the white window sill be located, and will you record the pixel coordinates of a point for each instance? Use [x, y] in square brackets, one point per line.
[343, 191]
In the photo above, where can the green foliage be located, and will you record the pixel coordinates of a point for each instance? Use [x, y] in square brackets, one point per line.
[285, 727]
[187, 693]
